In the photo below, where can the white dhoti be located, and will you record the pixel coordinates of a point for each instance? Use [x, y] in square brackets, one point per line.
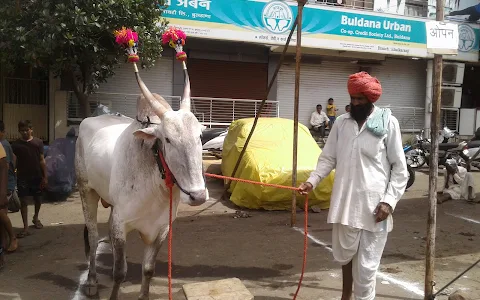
[364, 249]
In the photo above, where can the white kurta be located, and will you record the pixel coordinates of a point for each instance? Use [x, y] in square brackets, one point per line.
[458, 189]
[368, 170]
[318, 119]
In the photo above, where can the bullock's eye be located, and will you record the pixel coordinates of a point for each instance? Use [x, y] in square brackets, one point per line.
[167, 140]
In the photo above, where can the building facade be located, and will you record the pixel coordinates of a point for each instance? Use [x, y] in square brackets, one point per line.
[234, 46]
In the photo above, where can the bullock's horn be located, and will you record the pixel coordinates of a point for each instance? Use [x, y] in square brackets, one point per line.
[156, 105]
[186, 100]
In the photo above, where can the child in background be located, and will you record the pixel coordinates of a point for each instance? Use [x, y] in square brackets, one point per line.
[331, 112]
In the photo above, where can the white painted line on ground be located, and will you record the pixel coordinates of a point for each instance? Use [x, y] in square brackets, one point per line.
[411, 287]
[103, 247]
[464, 218]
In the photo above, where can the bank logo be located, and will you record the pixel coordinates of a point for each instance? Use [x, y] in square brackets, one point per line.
[277, 16]
[466, 38]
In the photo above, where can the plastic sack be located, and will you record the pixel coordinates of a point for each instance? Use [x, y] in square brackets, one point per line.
[104, 110]
[60, 160]
[268, 159]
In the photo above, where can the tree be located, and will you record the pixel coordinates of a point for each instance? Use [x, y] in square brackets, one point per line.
[75, 38]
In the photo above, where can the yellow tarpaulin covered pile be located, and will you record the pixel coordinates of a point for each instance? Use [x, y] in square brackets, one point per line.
[268, 159]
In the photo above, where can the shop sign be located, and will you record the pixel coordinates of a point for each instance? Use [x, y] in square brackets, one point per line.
[269, 22]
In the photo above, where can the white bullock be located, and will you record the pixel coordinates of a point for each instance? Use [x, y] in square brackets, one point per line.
[115, 163]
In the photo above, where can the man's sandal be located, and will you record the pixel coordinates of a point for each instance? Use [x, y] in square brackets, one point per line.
[13, 246]
[23, 234]
[37, 224]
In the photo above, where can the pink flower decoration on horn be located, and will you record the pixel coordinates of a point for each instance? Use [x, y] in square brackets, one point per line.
[175, 38]
[128, 39]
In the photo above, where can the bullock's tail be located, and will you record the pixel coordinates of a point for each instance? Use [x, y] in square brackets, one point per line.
[85, 240]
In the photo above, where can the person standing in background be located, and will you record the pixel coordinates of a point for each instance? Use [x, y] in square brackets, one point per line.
[31, 173]
[4, 219]
[331, 112]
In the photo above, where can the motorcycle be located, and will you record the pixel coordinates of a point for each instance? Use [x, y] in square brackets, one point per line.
[473, 148]
[418, 153]
[411, 172]
[212, 141]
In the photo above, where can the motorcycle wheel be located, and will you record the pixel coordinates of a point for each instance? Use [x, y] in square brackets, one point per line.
[411, 176]
[415, 159]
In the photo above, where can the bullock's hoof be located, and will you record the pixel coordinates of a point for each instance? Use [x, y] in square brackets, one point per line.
[90, 290]
[143, 297]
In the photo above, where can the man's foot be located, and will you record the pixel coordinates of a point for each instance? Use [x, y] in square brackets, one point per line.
[2, 259]
[13, 245]
[37, 224]
[23, 234]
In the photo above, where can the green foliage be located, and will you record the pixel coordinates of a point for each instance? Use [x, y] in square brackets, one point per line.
[75, 37]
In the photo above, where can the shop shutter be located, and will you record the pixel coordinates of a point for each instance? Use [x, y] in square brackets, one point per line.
[403, 82]
[318, 83]
[122, 89]
[227, 79]
[404, 85]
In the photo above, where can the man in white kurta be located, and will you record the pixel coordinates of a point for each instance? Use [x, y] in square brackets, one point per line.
[459, 183]
[365, 148]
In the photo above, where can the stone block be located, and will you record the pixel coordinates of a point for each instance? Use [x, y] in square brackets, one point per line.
[225, 289]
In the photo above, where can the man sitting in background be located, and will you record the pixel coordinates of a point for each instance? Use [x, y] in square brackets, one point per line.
[458, 183]
[319, 120]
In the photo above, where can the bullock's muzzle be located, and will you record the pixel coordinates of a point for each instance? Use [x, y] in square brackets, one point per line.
[198, 197]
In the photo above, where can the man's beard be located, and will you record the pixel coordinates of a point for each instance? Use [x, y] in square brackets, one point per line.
[361, 112]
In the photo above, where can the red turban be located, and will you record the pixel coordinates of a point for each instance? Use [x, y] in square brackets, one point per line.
[363, 83]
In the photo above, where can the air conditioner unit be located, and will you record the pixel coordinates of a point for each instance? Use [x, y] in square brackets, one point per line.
[451, 96]
[453, 73]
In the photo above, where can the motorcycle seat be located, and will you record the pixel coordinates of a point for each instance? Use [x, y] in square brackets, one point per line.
[447, 146]
[473, 144]
[211, 133]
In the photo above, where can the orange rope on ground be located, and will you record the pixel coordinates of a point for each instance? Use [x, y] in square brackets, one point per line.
[305, 239]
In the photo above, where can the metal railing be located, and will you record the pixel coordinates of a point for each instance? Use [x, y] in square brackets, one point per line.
[449, 117]
[211, 112]
[413, 8]
[411, 119]
[355, 4]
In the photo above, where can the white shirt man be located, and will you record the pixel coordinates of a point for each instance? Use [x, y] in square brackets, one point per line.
[370, 178]
[319, 118]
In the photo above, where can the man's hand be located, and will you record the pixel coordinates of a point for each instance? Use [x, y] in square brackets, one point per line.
[382, 211]
[44, 183]
[305, 188]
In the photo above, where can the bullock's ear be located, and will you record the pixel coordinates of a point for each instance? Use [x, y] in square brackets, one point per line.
[147, 134]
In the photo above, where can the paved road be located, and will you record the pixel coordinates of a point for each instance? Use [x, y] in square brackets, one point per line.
[262, 250]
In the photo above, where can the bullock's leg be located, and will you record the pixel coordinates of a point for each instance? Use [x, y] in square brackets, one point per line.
[90, 205]
[149, 259]
[117, 238]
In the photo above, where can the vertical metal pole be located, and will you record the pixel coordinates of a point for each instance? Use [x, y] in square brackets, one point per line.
[432, 191]
[301, 4]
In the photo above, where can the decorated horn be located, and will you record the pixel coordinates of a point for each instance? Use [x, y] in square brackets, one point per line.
[128, 38]
[175, 38]
[186, 100]
[157, 107]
